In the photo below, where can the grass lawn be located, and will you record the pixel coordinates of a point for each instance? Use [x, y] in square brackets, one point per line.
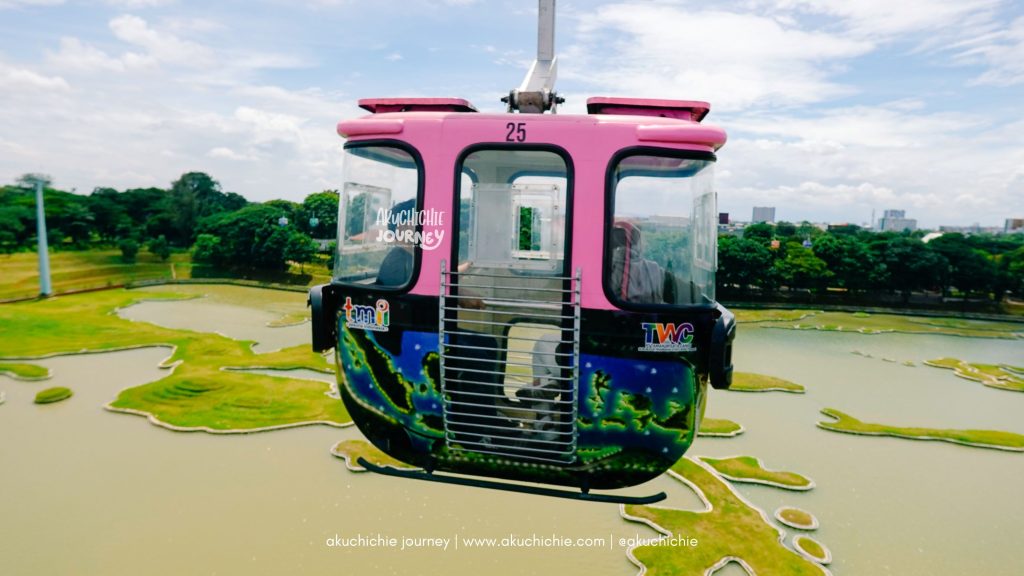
[719, 427]
[771, 315]
[749, 382]
[75, 270]
[732, 528]
[24, 371]
[352, 450]
[812, 548]
[197, 394]
[51, 395]
[750, 469]
[80, 270]
[796, 518]
[996, 376]
[880, 323]
[978, 438]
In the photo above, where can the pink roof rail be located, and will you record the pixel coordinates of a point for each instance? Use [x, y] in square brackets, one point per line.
[382, 105]
[692, 110]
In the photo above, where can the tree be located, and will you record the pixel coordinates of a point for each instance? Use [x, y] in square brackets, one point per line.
[160, 247]
[785, 229]
[802, 269]
[851, 261]
[760, 232]
[129, 248]
[207, 249]
[300, 248]
[743, 263]
[110, 219]
[909, 264]
[193, 196]
[249, 237]
[324, 207]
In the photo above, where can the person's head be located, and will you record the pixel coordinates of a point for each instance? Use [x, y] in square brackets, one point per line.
[626, 234]
[402, 217]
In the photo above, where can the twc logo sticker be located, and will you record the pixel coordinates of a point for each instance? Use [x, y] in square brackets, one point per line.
[374, 318]
[667, 337]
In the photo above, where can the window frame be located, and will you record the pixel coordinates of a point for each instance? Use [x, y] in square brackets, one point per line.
[417, 251]
[609, 220]
[570, 187]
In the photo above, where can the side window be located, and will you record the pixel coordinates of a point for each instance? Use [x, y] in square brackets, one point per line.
[377, 217]
[661, 246]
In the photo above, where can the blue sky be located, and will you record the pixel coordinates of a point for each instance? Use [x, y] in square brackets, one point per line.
[833, 107]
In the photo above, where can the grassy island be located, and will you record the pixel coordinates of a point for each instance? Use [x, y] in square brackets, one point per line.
[864, 323]
[745, 316]
[730, 529]
[51, 395]
[1001, 376]
[812, 548]
[23, 371]
[352, 450]
[977, 438]
[752, 470]
[796, 518]
[720, 428]
[750, 382]
[199, 392]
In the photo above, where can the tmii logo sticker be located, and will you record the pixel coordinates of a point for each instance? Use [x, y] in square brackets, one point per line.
[374, 318]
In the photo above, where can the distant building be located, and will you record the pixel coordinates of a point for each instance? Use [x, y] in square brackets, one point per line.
[896, 221]
[1013, 225]
[723, 218]
[763, 214]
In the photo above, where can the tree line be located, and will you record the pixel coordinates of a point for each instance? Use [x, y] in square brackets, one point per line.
[194, 213]
[765, 262]
[854, 264]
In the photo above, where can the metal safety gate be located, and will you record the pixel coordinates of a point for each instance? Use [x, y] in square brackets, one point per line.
[495, 403]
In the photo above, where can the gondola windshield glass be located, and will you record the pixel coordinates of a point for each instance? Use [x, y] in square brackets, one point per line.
[663, 236]
[378, 224]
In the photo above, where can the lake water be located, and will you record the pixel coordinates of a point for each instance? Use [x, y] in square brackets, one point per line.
[86, 491]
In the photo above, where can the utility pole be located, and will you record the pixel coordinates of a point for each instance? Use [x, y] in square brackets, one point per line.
[45, 289]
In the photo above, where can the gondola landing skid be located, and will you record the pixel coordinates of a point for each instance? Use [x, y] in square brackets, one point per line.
[521, 488]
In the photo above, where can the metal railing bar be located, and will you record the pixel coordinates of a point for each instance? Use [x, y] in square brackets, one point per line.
[515, 448]
[485, 275]
[516, 456]
[458, 403]
[563, 378]
[507, 313]
[516, 438]
[505, 350]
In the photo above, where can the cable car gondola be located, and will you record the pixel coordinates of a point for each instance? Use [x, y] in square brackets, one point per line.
[527, 296]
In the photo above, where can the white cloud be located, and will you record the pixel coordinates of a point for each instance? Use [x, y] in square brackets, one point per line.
[16, 79]
[735, 60]
[137, 4]
[886, 18]
[81, 57]
[1003, 52]
[24, 3]
[161, 46]
[229, 154]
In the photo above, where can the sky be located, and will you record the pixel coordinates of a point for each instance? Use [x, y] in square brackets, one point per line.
[834, 108]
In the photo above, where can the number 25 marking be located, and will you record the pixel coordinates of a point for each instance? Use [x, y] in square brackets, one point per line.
[516, 132]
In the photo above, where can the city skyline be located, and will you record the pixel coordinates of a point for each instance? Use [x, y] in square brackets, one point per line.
[833, 109]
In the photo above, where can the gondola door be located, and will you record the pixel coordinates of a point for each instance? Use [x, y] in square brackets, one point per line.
[509, 310]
